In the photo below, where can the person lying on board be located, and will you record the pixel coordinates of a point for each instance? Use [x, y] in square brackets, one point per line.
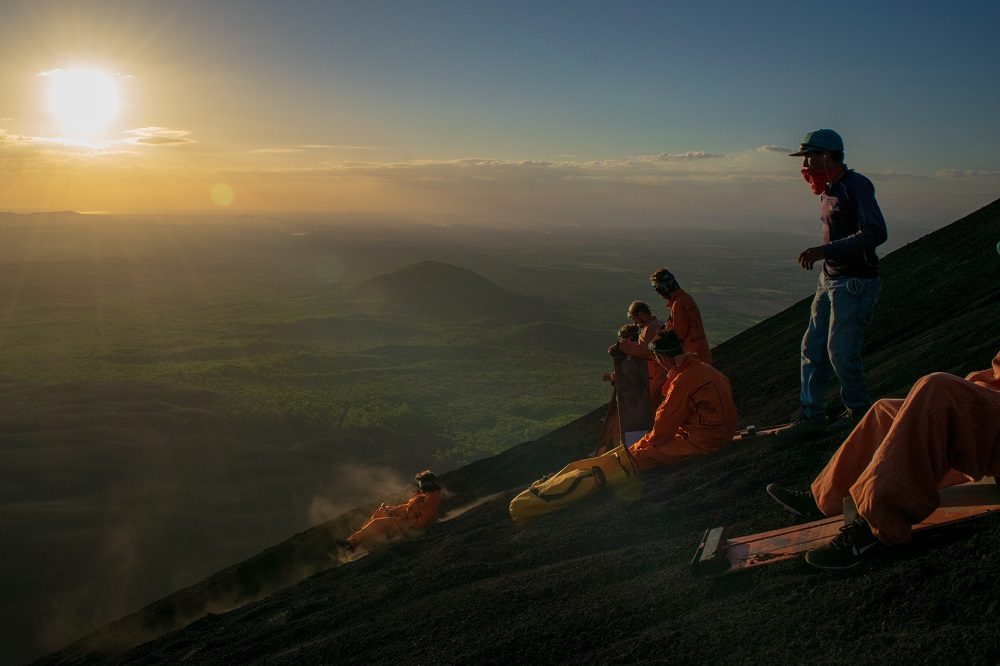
[945, 432]
[389, 522]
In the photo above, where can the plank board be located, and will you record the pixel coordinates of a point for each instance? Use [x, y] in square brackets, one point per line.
[635, 410]
[718, 555]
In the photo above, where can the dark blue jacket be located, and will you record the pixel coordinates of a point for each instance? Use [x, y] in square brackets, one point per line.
[853, 227]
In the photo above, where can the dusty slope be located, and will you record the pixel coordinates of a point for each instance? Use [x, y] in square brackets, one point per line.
[608, 580]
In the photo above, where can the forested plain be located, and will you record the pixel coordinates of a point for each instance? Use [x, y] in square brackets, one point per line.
[178, 394]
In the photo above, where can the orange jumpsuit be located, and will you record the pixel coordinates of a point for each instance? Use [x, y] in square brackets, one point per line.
[697, 416]
[685, 321]
[392, 522]
[946, 431]
[640, 349]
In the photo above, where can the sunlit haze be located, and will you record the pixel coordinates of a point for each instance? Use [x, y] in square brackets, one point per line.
[560, 113]
[82, 101]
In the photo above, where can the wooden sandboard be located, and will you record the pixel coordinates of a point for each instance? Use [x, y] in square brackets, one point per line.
[718, 554]
[635, 411]
[753, 432]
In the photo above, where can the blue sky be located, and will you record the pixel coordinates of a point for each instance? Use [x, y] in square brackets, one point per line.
[911, 86]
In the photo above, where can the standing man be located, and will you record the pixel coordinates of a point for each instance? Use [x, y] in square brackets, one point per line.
[848, 288]
[685, 318]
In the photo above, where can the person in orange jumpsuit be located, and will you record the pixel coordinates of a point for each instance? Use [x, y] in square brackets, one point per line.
[642, 316]
[400, 521]
[946, 431]
[697, 415]
[685, 318]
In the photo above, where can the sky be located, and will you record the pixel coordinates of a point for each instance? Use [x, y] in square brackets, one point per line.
[530, 113]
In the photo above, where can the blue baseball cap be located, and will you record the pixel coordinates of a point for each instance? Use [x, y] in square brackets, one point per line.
[821, 140]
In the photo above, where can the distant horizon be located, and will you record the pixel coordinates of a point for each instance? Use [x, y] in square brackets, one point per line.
[797, 225]
[564, 113]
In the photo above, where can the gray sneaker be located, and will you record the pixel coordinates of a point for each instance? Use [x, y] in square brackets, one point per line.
[803, 427]
[847, 419]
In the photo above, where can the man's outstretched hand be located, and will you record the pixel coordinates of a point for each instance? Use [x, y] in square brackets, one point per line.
[810, 257]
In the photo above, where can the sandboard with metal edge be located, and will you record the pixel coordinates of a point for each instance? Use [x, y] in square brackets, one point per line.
[718, 554]
[753, 432]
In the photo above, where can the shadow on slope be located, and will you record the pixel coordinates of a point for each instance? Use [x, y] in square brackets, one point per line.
[607, 580]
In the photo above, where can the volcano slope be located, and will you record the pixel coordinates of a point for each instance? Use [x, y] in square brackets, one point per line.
[608, 580]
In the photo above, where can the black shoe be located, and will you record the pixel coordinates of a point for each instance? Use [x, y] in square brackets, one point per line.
[803, 427]
[847, 419]
[346, 545]
[851, 547]
[800, 502]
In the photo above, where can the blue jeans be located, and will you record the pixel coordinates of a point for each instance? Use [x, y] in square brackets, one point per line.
[841, 311]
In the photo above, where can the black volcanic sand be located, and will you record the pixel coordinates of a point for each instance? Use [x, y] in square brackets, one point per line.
[608, 580]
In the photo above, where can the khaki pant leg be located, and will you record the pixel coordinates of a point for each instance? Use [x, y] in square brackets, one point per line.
[854, 455]
[945, 424]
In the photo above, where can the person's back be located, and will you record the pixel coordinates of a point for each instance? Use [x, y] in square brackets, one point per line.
[421, 510]
[685, 320]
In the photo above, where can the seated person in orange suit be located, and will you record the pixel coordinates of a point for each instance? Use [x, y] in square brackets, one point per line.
[946, 432]
[392, 522]
[697, 415]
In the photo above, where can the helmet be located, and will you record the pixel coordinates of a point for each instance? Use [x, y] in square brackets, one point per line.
[667, 343]
[663, 281]
[427, 481]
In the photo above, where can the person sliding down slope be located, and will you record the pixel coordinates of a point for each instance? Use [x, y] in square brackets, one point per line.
[697, 415]
[946, 432]
[393, 522]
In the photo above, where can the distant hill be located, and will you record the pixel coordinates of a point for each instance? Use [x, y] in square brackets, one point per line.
[608, 580]
[443, 291]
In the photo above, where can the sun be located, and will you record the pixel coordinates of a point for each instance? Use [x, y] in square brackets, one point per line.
[82, 101]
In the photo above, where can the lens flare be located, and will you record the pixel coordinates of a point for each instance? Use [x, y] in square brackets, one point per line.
[222, 195]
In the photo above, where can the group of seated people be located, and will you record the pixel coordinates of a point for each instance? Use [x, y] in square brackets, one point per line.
[945, 432]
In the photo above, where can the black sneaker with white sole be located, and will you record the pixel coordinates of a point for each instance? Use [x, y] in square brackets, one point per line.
[851, 547]
[800, 502]
[803, 427]
[847, 419]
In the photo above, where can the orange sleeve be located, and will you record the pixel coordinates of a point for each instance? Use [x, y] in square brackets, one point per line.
[678, 322]
[689, 326]
[670, 415]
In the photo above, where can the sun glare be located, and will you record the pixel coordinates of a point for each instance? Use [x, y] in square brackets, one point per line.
[82, 101]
